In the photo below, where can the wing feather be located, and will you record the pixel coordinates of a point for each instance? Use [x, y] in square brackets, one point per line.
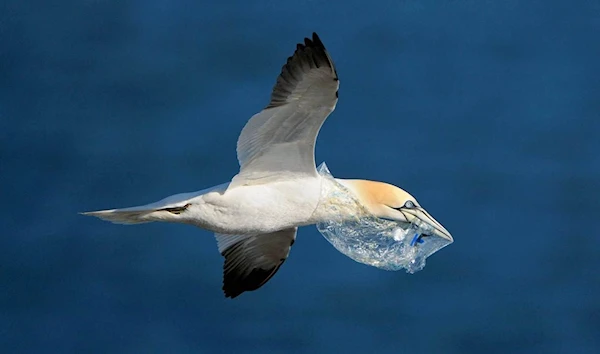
[279, 141]
[251, 260]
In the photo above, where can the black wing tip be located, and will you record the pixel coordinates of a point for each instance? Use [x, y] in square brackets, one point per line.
[311, 53]
[230, 290]
[230, 294]
[315, 42]
[235, 284]
[314, 49]
[238, 278]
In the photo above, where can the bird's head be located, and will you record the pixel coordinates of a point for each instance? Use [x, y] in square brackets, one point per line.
[387, 201]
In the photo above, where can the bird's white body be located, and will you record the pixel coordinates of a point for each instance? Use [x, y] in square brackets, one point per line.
[256, 215]
[235, 211]
[242, 209]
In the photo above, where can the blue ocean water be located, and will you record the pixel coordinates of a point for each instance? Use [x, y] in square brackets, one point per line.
[487, 111]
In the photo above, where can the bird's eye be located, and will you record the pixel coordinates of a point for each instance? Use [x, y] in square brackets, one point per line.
[409, 204]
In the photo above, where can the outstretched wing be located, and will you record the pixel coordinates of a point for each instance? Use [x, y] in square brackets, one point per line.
[250, 261]
[280, 140]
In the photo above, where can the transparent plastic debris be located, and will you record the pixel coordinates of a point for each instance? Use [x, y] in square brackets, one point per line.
[367, 239]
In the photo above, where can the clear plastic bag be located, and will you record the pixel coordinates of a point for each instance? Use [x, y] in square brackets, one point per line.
[367, 239]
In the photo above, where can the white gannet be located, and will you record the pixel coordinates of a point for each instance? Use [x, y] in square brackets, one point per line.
[256, 215]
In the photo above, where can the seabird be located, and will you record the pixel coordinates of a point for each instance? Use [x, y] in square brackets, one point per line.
[255, 216]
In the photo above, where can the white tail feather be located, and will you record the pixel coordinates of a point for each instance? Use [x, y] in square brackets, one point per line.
[121, 216]
[168, 209]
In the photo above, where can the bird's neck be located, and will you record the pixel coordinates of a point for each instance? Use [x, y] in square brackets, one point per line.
[338, 201]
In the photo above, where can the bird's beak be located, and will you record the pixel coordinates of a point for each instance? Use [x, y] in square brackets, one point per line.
[414, 214]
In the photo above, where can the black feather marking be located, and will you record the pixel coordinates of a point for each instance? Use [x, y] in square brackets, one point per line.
[176, 210]
[251, 262]
[308, 56]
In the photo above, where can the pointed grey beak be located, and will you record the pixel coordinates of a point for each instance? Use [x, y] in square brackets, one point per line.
[418, 213]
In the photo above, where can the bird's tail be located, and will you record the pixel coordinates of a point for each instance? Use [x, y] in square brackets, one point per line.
[137, 215]
[168, 209]
[121, 217]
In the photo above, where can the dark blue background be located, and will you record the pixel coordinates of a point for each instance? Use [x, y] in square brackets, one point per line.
[486, 111]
